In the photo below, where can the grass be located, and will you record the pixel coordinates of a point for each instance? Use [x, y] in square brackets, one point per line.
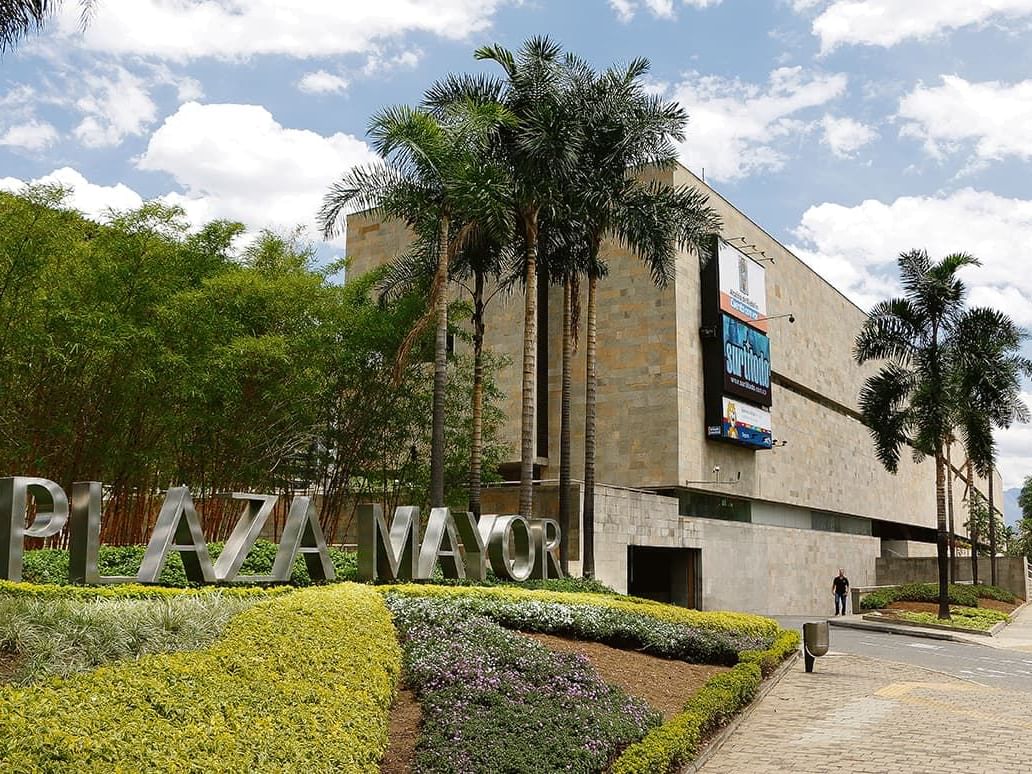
[965, 595]
[60, 637]
[978, 618]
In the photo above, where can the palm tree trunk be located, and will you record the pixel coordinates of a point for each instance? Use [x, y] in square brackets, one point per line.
[949, 507]
[940, 513]
[528, 424]
[588, 564]
[440, 372]
[564, 427]
[992, 531]
[478, 396]
[973, 531]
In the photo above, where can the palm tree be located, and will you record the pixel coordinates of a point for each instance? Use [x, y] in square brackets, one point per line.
[989, 383]
[626, 130]
[542, 149]
[918, 396]
[433, 173]
[18, 18]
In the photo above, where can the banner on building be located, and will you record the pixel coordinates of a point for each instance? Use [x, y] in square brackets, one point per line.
[743, 424]
[735, 349]
[746, 362]
[743, 289]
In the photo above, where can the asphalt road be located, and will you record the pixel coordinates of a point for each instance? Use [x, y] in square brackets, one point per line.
[991, 666]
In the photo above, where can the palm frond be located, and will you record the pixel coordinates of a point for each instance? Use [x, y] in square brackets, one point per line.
[884, 406]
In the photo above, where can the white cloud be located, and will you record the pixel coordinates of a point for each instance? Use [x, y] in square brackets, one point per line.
[993, 118]
[322, 82]
[856, 247]
[888, 22]
[234, 29]
[32, 136]
[1015, 450]
[86, 197]
[377, 63]
[846, 136]
[238, 162]
[662, 9]
[114, 107]
[736, 128]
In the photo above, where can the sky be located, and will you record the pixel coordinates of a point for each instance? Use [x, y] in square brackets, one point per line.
[851, 130]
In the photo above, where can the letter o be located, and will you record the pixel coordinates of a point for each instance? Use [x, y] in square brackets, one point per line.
[506, 565]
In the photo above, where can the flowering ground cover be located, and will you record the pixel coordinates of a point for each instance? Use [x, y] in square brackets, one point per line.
[489, 695]
[496, 701]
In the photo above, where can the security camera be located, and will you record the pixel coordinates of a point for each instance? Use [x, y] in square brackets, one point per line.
[716, 469]
[791, 318]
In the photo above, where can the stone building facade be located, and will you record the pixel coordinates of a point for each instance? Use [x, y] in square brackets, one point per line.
[694, 520]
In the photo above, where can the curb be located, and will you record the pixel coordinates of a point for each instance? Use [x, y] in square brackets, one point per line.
[718, 739]
[908, 632]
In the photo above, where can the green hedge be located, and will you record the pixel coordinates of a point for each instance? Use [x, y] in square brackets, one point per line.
[960, 594]
[301, 682]
[132, 591]
[723, 695]
[50, 565]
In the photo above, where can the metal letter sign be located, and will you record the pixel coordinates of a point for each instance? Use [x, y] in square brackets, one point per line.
[517, 548]
[177, 529]
[302, 535]
[248, 528]
[387, 554]
[440, 529]
[51, 515]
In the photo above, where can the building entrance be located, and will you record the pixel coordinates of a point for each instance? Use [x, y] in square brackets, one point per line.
[665, 574]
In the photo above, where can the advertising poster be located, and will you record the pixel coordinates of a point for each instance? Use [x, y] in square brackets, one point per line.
[743, 291]
[746, 425]
[746, 362]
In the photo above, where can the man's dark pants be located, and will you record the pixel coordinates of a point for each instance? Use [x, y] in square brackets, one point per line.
[840, 599]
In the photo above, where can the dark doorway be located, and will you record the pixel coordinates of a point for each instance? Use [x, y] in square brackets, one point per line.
[665, 574]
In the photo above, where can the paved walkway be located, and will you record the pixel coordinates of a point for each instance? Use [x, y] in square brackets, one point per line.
[1017, 635]
[866, 716]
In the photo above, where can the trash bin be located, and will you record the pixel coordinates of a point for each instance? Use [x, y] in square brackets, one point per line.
[815, 642]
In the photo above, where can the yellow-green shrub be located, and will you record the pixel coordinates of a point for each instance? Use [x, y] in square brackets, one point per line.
[130, 591]
[301, 682]
[723, 695]
[743, 623]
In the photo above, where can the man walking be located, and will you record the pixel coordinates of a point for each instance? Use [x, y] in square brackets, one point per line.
[841, 587]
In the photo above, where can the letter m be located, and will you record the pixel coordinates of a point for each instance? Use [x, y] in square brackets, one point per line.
[387, 554]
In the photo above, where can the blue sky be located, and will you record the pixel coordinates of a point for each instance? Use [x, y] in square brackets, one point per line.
[849, 129]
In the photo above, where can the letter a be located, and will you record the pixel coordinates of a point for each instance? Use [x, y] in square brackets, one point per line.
[303, 535]
[177, 529]
[440, 530]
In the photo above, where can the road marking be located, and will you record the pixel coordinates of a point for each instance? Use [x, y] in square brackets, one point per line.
[923, 646]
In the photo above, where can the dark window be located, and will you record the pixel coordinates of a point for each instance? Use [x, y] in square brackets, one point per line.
[710, 506]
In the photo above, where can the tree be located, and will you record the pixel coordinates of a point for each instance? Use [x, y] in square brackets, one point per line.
[433, 173]
[626, 130]
[19, 18]
[990, 367]
[1025, 498]
[918, 396]
[541, 149]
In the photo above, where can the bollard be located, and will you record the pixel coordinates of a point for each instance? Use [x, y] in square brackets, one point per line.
[815, 642]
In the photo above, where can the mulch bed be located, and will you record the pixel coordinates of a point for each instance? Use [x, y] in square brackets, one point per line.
[406, 717]
[933, 607]
[665, 684]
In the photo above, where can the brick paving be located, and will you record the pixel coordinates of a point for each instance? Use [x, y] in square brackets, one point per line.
[860, 715]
